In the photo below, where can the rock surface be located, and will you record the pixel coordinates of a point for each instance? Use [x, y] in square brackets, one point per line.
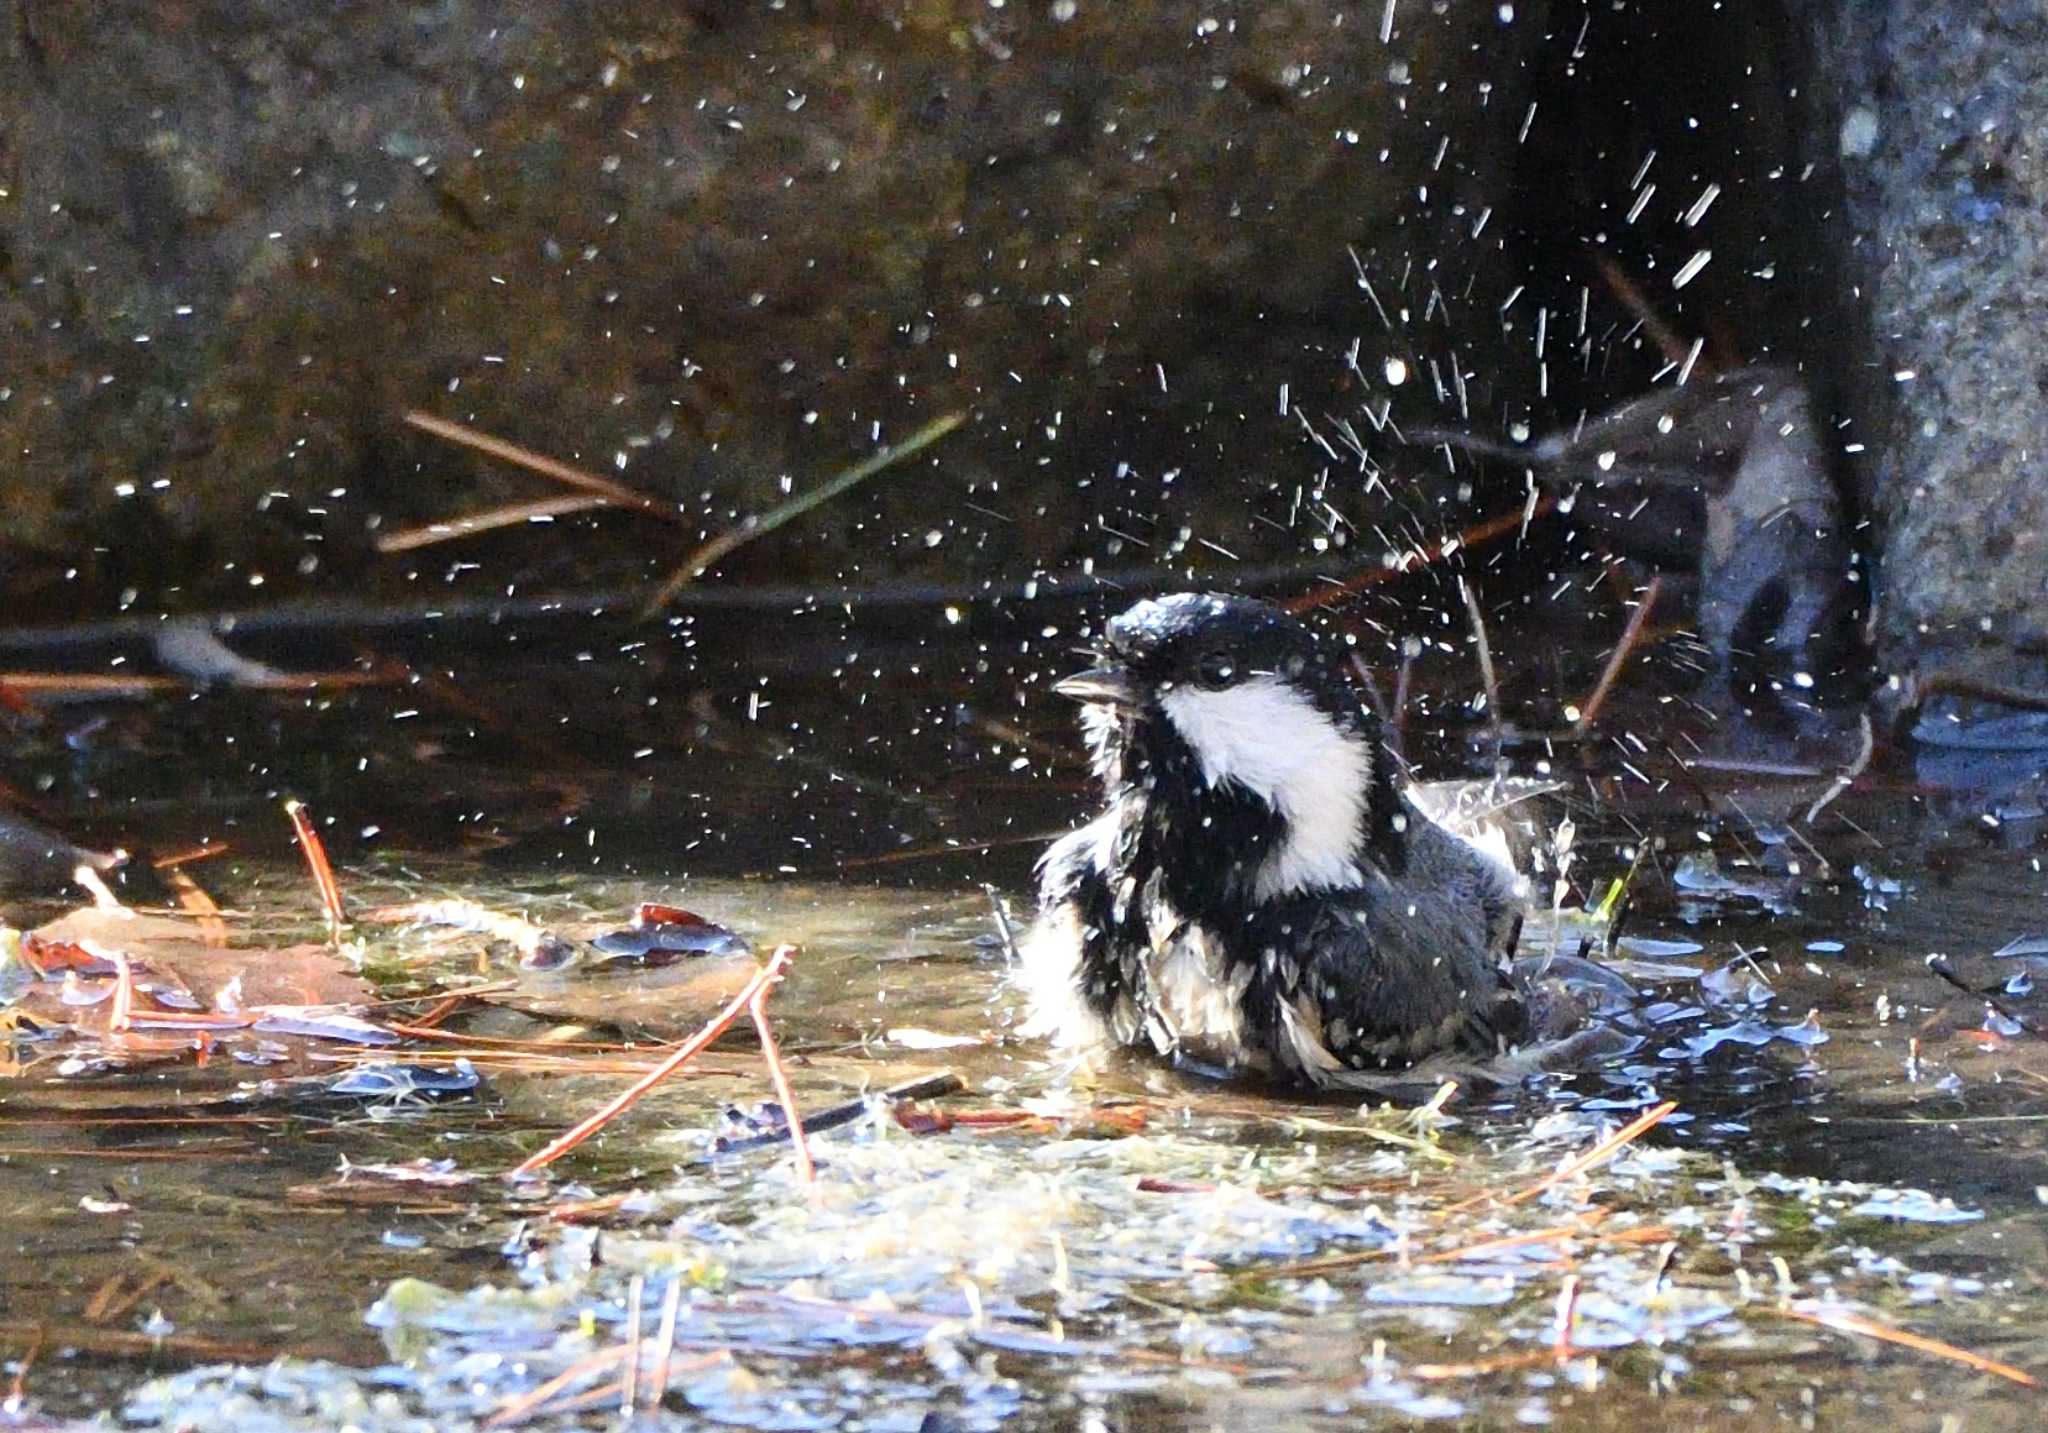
[717, 250]
[1942, 132]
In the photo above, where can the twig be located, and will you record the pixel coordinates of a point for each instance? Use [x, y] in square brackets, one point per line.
[1556, 1234]
[584, 1129]
[780, 1079]
[17, 1390]
[547, 467]
[670, 1303]
[1957, 684]
[1489, 682]
[1503, 1363]
[629, 1388]
[947, 848]
[121, 1009]
[1842, 1321]
[1597, 699]
[1940, 966]
[1472, 536]
[323, 872]
[928, 1087]
[1624, 288]
[1069, 586]
[1578, 1164]
[1009, 937]
[1567, 1316]
[517, 1410]
[137, 1342]
[408, 539]
[205, 851]
[1846, 777]
[700, 561]
[1397, 718]
[195, 902]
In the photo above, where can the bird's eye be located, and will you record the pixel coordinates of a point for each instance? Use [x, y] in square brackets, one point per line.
[1216, 669]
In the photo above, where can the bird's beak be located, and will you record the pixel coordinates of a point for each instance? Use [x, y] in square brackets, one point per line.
[1109, 686]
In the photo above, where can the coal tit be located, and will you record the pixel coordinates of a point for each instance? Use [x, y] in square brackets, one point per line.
[1260, 894]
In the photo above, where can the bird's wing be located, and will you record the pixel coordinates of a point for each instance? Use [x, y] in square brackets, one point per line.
[1368, 985]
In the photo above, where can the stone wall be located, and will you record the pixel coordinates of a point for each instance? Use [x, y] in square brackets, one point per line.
[717, 250]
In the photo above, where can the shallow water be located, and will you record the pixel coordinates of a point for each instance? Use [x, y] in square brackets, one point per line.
[1852, 1134]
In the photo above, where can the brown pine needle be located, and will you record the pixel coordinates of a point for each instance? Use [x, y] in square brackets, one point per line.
[1473, 536]
[1631, 298]
[195, 902]
[1553, 1235]
[1567, 1320]
[1504, 1363]
[1630, 634]
[316, 860]
[701, 561]
[17, 1391]
[665, 1341]
[584, 1129]
[519, 1409]
[629, 1386]
[121, 1008]
[1842, 1321]
[407, 539]
[205, 851]
[97, 686]
[614, 493]
[1575, 1166]
[780, 1079]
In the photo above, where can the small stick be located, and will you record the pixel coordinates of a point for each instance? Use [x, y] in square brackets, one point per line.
[629, 1385]
[120, 1013]
[1842, 1321]
[584, 1129]
[518, 1409]
[1624, 288]
[547, 467]
[1501, 1363]
[699, 562]
[1489, 682]
[439, 1011]
[1567, 1316]
[1372, 687]
[951, 848]
[1940, 965]
[1959, 685]
[206, 851]
[1472, 536]
[670, 1303]
[323, 872]
[1397, 719]
[195, 902]
[17, 1391]
[780, 1079]
[1846, 777]
[928, 1087]
[995, 902]
[1629, 635]
[94, 686]
[447, 529]
[1578, 1164]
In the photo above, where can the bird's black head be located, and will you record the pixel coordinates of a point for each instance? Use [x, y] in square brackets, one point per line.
[1237, 721]
[1207, 642]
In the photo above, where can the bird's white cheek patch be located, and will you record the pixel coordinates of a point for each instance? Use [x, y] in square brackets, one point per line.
[1267, 737]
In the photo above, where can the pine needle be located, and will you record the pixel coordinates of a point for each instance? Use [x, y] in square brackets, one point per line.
[701, 561]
